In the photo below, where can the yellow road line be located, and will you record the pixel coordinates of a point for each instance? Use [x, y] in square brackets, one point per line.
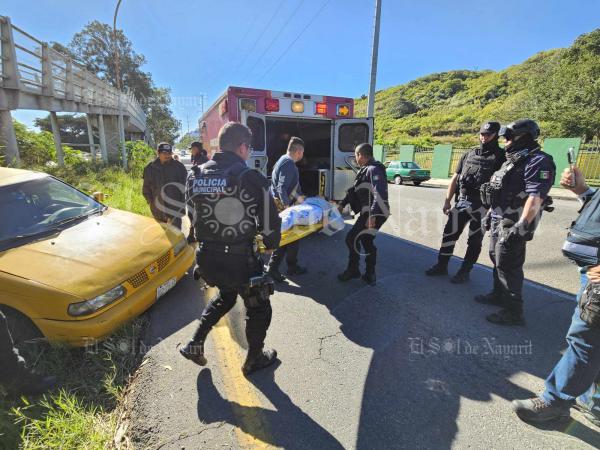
[252, 431]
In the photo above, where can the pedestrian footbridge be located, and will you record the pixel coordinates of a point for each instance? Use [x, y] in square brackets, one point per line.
[34, 76]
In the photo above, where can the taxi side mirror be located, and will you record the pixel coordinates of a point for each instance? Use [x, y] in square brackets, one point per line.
[99, 196]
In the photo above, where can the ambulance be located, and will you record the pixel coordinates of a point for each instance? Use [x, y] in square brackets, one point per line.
[325, 123]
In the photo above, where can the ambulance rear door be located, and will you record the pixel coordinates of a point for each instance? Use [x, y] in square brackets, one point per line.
[347, 134]
[258, 156]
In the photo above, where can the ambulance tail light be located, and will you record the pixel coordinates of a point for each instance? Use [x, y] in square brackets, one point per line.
[271, 104]
[321, 108]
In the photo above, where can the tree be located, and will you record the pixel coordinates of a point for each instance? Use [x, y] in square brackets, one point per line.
[73, 128]
[95, 48]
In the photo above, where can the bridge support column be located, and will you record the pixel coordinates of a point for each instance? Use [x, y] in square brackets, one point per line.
[8, 138]
[90, 130]
[57, 142]
[102, 133]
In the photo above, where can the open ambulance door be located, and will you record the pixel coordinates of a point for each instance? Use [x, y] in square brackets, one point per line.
[258, 155]
[347, 134]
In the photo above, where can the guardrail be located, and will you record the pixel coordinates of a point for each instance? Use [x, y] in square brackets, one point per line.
[31, 67]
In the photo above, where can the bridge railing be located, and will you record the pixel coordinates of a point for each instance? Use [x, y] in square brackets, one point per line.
[44, 71]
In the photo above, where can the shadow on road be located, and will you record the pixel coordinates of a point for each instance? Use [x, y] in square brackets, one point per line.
[432, 348]
[299, 430]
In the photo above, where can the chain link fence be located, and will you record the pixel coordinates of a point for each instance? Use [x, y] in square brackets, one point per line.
[423, 156]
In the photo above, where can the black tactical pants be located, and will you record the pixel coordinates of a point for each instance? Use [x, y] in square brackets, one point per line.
[258, 316]
[289, 252]
[230, 273]
[13, 371]
[360, 240]
[457, 220]
[508, 260]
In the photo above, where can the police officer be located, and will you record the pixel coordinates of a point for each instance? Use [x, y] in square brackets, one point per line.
[576, 376]
[232, 203]
[15, 376]
[474, 168]
[517, 194]
[369, 198]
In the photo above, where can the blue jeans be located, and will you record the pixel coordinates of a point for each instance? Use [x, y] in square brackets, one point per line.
[577, 374]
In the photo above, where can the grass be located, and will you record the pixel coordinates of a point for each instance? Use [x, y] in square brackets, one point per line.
[83, 412]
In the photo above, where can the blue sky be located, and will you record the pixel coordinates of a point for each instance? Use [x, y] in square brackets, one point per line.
[315, 46]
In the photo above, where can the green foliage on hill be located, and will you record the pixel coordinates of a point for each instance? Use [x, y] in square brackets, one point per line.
[559, 88]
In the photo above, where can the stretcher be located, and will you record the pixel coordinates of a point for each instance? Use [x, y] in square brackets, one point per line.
[330, 219]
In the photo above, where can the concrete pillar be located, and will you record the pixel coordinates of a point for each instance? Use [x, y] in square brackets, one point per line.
[10, 81]
[102, 133]
[8, 138]
[90, 131]
[57, 142]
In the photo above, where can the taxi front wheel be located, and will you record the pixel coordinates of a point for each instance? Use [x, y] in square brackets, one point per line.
[22, 329]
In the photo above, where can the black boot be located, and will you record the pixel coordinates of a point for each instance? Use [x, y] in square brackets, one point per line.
[296, 270]
[437, 270]
[276, 275]
[462, 276]
[507, 316]
[348, 274]
[491, 298]
[194, 351]
[258, 360]
[370, 278]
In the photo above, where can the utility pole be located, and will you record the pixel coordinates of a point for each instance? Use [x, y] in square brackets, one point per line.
[375, 51]
[121, 124]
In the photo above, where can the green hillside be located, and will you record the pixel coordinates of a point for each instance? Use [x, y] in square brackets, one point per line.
[559, 88]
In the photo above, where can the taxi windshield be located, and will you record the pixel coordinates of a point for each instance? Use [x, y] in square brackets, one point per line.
[39, 207]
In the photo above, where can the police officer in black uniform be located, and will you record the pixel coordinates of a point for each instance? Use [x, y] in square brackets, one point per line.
[516, 195]
[232, 203]
[474, 168]
[369, 198]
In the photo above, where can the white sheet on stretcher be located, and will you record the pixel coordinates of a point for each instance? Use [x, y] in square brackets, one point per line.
[314, 210]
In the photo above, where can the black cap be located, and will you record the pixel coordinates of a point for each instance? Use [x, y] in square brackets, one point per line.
[195, 144]
[490, 127]
[164, 147]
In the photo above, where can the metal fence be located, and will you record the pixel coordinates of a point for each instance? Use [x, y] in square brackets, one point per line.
[455, 158]
[423, 156]
[588, 161]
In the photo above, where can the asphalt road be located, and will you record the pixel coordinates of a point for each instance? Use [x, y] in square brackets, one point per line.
[411, 363]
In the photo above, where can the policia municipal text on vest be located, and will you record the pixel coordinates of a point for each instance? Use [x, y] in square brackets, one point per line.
[231, 205]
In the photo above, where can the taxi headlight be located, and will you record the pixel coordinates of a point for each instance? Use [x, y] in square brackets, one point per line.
[179, 247]
[93, 305]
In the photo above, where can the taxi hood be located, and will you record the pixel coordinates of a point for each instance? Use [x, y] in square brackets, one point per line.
[92, 256]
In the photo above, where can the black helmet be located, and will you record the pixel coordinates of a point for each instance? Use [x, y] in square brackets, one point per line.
[518, 128]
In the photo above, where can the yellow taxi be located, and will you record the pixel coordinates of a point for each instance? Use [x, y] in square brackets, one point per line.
[74, 270]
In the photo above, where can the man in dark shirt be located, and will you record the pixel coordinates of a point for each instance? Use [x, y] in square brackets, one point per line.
[474, 168]
[198, 154]
[369, 198]
[164, 186]
[285, 189]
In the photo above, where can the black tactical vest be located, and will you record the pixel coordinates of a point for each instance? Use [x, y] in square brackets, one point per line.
[506, 188]
[477, 169]
[225, 212]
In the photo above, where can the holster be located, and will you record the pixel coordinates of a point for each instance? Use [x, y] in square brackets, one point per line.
[589, 305]
[259, 289]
